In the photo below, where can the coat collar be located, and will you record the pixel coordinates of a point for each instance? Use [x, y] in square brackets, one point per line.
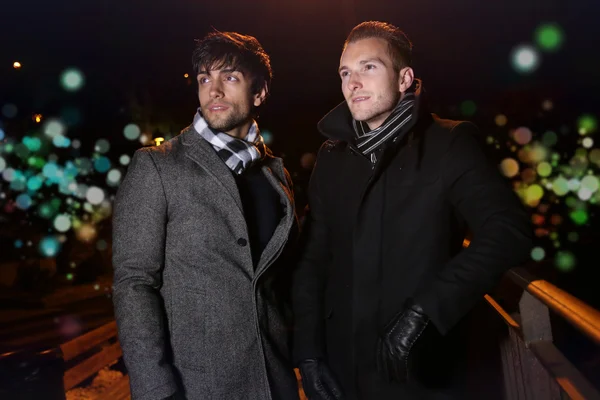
[337, 123]
[202, 153]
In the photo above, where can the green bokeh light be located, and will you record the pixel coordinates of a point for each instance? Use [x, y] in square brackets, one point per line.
[468, 108]
[544, 169]
[564, 261]
[573, 237]
[550, 139]
[549, 37]
[579, 217]
[538, 254]
[560, 186]
[587, 124]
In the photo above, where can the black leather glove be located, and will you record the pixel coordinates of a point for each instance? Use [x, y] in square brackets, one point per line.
[398, 339]
[318, 381]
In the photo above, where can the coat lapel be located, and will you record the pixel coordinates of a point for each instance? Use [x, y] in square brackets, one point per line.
[274, 171]
[202, 153]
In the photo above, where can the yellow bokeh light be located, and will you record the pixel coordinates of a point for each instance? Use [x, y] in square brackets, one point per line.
[17, 65]
[38, 118]
[158, 140]
[509, 167]
[501, 120]
[186, 75]
[533, 195]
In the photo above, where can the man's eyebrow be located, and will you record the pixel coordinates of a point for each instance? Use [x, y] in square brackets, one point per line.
[372, 59]
[222, 71]
[363, 62]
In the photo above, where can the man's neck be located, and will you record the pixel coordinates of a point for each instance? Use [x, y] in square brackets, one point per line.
[240, 131]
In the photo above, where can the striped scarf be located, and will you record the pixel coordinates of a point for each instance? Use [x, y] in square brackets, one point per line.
[237, 154]
[396, 125]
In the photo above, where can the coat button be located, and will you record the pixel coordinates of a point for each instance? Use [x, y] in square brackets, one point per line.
[242, 242]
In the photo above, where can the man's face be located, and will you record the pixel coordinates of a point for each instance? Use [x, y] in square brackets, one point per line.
[370, 85]
[226, 99]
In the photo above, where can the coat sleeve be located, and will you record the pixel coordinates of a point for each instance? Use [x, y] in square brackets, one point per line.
[310, 277]
[139, 223]
[502, 233]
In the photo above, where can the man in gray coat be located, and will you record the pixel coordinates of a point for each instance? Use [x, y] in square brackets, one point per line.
[204, 227]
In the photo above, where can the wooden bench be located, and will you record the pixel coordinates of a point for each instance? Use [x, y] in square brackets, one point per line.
[91, 352]
[80, 352]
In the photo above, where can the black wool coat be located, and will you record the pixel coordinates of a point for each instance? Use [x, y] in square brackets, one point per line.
[379, 233]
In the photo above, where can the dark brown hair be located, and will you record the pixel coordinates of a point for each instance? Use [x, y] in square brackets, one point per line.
[399, 47]
[219, 50]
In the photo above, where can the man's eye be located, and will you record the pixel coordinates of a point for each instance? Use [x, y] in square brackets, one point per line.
[232, 78]
[344, 74]
[202, 80]
[369, 66]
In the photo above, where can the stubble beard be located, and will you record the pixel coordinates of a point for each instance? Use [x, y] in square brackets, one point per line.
[382, 107]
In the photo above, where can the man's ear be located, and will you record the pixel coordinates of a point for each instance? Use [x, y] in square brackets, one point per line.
[406, 77]
[260, 97]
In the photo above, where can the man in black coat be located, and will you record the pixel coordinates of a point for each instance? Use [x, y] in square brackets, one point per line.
[383, 286]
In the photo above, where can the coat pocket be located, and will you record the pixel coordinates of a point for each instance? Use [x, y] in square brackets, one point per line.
[189, 329]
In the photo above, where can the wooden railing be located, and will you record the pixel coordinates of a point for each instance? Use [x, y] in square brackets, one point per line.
[90, 353]
[533, 368]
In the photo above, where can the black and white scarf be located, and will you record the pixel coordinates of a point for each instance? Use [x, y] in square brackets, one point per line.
[396, 125]
[236, 153]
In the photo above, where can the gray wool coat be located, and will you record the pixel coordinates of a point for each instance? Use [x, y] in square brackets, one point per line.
[195, 317]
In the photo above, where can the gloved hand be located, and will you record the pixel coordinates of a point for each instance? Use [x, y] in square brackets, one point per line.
[398, 339]
[318, 381]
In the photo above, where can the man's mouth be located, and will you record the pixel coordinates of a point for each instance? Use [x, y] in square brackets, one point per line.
[358, 99]
[218, 107]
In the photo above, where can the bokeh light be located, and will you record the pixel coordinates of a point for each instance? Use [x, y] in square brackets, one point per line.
[522, 135]
[549, 37]
[62, 223]
[102, 146]
[49, 246]
[132, 132]
[125, 159]
[17, 65]
[54, 127]
[590, 183]
[587, 124]
[549, 139]
[86, 233]
[509, 167]
[72, 79]
[538, 253]
[94, 195]
[560, 186]
[579, 217]
[23, 201]
[544, 169]
[501, 120]
[468, 108]
[525, 59]
[102, 164]
[9, 110]
[113, 178]
[533, 195]
[564, 261]
[267, 137]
